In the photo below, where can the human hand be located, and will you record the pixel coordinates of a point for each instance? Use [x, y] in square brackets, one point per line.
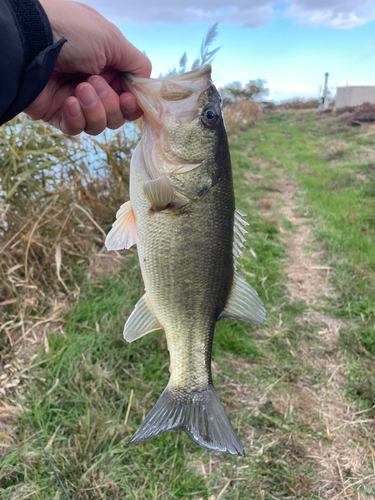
[72, 100]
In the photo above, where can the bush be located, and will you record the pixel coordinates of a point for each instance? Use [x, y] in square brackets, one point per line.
[363, 113]
[298, 103]
[240, 116]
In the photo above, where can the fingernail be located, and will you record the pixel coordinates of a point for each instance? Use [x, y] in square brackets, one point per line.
[87, 96]
[74, 109]
[99, 85]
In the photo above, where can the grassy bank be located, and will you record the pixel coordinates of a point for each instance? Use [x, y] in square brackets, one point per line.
[88, 390]
[334, 165]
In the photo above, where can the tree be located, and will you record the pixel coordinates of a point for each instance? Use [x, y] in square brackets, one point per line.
[254, 90]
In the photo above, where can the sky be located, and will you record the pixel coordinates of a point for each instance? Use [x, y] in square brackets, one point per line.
[290, 44]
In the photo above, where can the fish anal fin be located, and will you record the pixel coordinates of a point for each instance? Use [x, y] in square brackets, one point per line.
[243, 303]
[159, 192]
[124, 230]
[141, 321]
[198, 413]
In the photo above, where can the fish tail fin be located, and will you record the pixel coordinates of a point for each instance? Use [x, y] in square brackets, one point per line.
[198, 413]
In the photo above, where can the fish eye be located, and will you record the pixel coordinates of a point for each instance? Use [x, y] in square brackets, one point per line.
[210, 116]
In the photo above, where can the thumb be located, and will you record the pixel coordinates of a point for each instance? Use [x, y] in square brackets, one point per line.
[130, 60]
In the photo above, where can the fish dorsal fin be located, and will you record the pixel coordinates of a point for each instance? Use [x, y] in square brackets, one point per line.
[124, 230]
[141, 321]
[243, 303]
[239, 231]
[159, 192]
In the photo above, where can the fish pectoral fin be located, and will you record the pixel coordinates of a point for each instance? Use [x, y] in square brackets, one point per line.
[159, 192]
[198, 413]
[124, 230]
[243, 303]
[141, 321]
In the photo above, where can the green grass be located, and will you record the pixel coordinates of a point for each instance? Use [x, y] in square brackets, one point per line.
[339, 196]
[98, 372]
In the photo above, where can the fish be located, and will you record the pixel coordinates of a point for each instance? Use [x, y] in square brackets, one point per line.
[189, 237]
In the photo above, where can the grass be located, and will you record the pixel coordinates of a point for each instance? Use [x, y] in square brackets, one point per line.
[58, 196]
[339, 196]
[89, 390]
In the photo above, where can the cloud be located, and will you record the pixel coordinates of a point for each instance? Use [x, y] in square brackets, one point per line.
[337, 14]
[255, 15]
[346, 14]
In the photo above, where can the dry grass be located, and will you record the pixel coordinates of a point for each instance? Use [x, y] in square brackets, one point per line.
[334, 149]
[308, 279]
[265, 203]
[299, 104]
[240, 116]
[356, 115]
[58, 197]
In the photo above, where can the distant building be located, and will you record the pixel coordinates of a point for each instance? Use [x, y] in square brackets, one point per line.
[354, 96]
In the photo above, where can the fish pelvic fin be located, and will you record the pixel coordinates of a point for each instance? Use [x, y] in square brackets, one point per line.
[198, 413]
[243, 303]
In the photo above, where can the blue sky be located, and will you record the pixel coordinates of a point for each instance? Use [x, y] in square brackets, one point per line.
[291, 45]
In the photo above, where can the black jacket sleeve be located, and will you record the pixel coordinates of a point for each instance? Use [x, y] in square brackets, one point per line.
[27, 54]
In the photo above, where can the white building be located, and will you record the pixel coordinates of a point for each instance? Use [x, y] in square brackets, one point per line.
[354, 96]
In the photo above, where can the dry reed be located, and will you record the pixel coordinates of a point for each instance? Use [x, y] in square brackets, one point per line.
[58, 197]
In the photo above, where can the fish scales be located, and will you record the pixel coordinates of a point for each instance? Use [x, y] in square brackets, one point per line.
[187, 276]
[182, 216]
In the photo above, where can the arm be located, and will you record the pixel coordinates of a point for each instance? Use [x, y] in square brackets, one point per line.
[27, 55]
[84, 91]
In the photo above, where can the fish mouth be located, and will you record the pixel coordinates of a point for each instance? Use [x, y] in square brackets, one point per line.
[174, 95]
[174, 99]
[194, 74]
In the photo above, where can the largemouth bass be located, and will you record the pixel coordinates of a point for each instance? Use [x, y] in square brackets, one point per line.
[189, 237]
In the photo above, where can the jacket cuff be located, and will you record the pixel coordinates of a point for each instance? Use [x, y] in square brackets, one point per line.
[34, 80]
[31, 72]
[33, 26]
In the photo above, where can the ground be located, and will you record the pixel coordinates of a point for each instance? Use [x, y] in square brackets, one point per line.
[299, 390]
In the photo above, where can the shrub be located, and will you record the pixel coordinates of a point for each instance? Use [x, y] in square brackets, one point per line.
[240, 116]
[297, 103]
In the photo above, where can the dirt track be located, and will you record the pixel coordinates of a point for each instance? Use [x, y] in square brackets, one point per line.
[342, 462]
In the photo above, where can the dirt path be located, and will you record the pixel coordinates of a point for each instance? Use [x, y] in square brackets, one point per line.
[343, 456]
